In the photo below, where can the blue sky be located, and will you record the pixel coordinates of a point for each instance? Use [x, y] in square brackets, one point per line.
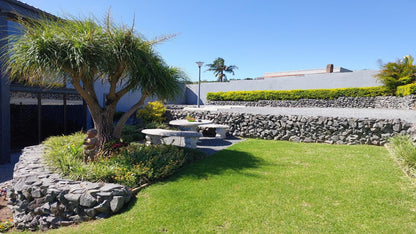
[262, 36]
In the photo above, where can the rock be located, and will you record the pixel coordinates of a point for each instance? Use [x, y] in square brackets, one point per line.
[102, 216]
[104, 194]
[87, 200]
[103, 207]
[65, 223]
[397, 127]
[36, 193]
[73, 198]
[117, 203]
[46, 209]
[54, 208]
[90, 212]
[90, 186]
[110, 187]
[19, 186]
[76, 219]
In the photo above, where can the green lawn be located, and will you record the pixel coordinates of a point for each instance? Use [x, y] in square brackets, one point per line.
[260, 186]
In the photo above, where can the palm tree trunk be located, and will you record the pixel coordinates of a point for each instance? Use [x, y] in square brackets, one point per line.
[103, 122]
[125, 117]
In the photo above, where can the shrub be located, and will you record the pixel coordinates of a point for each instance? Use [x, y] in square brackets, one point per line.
[398, 73]
[152, 112]
[404, 151]
[405, 90]
[297, 94]
[133, 166]
[132, 133]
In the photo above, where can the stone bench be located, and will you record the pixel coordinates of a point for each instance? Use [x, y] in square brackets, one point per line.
[220, 129]
[155, 136]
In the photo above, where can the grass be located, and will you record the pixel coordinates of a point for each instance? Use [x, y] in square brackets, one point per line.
[260, 186]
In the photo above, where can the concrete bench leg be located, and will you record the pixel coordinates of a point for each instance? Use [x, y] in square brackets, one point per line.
[221, 133]
[153, 140]
[190, 142]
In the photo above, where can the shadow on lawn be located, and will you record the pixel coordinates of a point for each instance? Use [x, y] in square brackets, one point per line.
[220, 162]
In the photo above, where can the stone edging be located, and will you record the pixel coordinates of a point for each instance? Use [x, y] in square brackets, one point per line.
[387, 102]
[41, 199]
[332, 130]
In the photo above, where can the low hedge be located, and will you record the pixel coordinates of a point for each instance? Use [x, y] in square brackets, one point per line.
[297, 94]
[405, 90]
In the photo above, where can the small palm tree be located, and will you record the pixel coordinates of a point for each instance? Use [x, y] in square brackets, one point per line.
[218, 67]
[399, 73]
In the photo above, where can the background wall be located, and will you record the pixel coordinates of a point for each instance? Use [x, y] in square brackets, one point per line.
[361, 78]
[189, 94]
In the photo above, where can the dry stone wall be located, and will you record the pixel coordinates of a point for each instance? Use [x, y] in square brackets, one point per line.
[42, 199]
[387, 102]
[333, 130]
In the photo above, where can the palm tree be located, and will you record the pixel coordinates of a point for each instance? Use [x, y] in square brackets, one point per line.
[83, 52]
[218, 67]
[401, 72]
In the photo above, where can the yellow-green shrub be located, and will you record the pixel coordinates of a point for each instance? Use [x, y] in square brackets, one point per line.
[297, 94]
[405, 90]
[152, 112]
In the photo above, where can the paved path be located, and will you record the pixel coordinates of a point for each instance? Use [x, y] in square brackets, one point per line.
[208, 145]
[6, 170]
[406, 115]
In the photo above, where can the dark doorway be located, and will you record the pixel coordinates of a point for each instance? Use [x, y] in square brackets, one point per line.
[38, 114]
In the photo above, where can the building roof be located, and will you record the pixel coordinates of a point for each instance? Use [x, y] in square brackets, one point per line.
[13, 8]
[305, 72]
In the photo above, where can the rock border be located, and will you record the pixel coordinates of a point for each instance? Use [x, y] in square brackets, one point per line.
[319, 129]
[42, 199]
[390, 102]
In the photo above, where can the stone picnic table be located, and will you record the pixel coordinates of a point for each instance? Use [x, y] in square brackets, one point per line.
[156, 136]
[184, 124]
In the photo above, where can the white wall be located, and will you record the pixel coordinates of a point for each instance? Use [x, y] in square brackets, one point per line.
[361, 78]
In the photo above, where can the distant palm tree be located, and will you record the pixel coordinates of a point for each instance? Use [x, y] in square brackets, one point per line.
[218, 67]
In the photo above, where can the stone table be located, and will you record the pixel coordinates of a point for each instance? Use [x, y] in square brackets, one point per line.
[184, 124]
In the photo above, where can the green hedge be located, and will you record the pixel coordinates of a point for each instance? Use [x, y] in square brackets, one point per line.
[297, 94]
[405, 90]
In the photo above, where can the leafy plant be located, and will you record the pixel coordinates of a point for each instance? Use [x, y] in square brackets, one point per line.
[404, 150]
[131, 165]
[401, 72]
[131, 133]
[405, 90]
[5, 225]
[152, 112]
[190, 118]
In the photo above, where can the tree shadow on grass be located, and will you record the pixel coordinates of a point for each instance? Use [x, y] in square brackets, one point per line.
[216, 164]
[130, 205]
[214, 142]
[219, 163]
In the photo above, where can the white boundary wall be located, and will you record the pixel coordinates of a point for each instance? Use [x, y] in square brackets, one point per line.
[361, 78]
